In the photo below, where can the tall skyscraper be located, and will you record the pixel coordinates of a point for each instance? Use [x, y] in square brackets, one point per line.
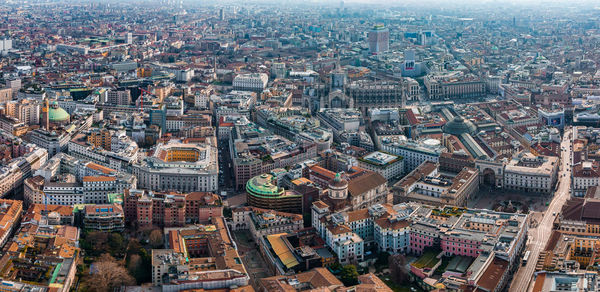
[222, 14]
[379, 39]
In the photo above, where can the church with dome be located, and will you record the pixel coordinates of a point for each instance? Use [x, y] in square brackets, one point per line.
[53, 116]
[354, 189]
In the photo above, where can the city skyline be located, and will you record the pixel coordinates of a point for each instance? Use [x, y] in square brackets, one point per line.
[280, 146]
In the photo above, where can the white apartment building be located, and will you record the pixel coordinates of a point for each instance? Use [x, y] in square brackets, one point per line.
[57, 193]
[530, 173]
[412, 89]
[380, 226]
[453, 85]
[392, 234]
[348, 246]
[252, 82]
[90, 190]
[413, 152]
[161, 172]
[388, 165]
[17, 170]
[201, 100]
[54, 142]
[585, 175]
[184, 75]
[124, 151]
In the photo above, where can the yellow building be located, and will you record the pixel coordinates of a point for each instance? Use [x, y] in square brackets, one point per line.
[144, 72]
[583, 250]
[100, 139]
[182, 154]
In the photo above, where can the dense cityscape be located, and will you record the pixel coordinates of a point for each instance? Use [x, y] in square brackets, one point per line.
[225, 146]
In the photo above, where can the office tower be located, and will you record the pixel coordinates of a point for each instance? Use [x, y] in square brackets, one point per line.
[411, 68]
[222, 14]
[409, 60]
[5, 44]
[379, 39]
[422, 38]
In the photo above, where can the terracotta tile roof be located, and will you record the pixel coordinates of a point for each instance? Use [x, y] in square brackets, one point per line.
[317, 279]
[370, 282]
[593, 192]
[493, 274]
[320, 204]
[325, 173]
[572, 209]
[364, 183]
[339, 229]
[206, 198]
[101, 168]
[34, 212]
[425, 169]
[410, 115]
[9, 215]
[594, 171]
[358, 215]
[591, 210]
[386, 223]
[539, 282]
[98, 178]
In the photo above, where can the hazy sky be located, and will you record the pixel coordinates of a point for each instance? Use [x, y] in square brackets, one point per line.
[463, 2]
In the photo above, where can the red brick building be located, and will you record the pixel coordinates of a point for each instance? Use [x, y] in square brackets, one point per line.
[170, 209]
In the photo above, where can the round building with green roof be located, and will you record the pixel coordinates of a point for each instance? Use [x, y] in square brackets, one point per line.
[263, 192]
[57, 115]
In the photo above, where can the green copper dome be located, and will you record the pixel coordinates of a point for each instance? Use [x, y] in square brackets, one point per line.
[459, 126]
[57, 114]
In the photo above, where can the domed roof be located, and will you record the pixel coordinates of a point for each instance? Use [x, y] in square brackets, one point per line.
[338, 182]
[57, 114]
[458, 126]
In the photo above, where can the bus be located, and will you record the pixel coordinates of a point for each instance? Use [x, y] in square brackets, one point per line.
[525, 258]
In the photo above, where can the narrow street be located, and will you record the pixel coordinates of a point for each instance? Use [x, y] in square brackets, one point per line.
[538, 237]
